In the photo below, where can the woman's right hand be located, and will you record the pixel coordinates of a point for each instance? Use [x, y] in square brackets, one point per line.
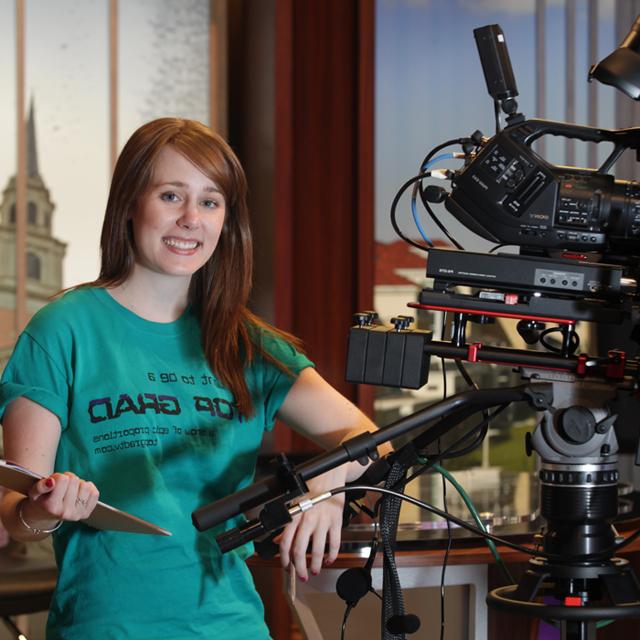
[59, 496]
[31, 434]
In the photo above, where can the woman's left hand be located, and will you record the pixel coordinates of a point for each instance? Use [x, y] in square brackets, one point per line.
[321, 524]
[316, 410]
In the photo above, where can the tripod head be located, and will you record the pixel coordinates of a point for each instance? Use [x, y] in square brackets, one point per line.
[578, 472]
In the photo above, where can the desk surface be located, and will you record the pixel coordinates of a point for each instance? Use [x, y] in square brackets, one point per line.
[464, 550]
[28, 578]
[37, 564]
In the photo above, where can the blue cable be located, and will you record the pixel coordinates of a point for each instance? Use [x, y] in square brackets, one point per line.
[442, 156]
[414, 211]
[417, 221]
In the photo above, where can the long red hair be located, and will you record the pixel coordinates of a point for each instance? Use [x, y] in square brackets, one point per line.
[219, 291]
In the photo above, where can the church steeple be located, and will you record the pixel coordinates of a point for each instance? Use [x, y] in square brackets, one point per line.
[32, 149]
[45, 253]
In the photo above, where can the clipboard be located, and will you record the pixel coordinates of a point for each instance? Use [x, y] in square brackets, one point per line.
[104, 516]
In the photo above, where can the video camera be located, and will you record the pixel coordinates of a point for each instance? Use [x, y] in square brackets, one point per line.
[507, 193]
[577, 232]
[578, 236]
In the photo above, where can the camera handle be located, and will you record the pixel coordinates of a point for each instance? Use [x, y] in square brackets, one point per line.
[621, 139]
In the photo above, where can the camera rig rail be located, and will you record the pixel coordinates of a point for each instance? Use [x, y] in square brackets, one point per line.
[400, 357]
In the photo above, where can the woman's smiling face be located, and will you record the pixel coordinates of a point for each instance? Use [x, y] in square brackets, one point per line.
[178, 220]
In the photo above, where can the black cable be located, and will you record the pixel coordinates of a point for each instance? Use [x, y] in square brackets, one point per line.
[443, 330]
[575, 341]
[628, 540]
[461, 523]
[394, 204]
[444, 145]
[606, 554]
[480, 430]
[465, 374]
[347, 611]
[601, 555]
[445, 560]
[485, 414]
[444, 380]
[414, 210]
[482, 434]
[368, 566]
[425, 202]
[446, 453]
[436, 220]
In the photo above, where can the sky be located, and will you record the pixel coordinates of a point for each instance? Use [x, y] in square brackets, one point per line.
[429, 88]
[67, 76]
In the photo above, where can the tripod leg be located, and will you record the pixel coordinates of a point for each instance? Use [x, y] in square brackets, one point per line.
[622, 587]
[529, 585]
[577, 630]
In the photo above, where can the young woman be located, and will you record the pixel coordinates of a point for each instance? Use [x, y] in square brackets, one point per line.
[154, 385]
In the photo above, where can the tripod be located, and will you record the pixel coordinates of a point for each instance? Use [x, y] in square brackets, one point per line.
[579, 478]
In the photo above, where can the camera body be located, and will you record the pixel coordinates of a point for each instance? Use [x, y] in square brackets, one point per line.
[509, 194]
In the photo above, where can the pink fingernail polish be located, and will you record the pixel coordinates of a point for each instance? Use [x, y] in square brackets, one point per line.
[314, 572]
[49, 482]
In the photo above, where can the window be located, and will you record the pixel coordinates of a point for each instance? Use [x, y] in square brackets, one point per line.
[34, 270]
[421, 105]
[429, 89]
[167, 68]
[71, 116]
[32, 213]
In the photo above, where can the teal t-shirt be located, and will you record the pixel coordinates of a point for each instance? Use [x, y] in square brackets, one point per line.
[144, 418]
